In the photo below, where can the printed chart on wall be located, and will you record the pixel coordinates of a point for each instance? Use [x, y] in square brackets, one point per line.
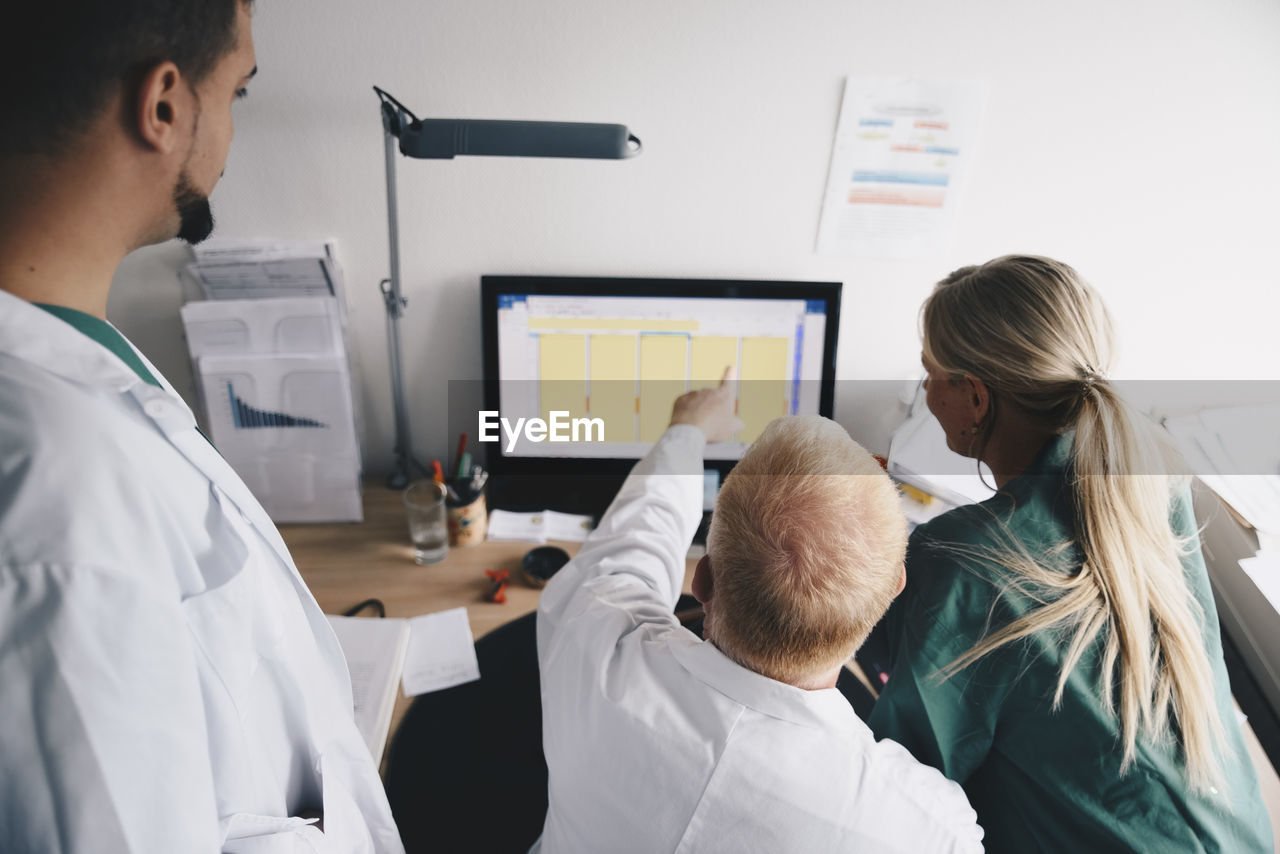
[897, 166]
[624, 361]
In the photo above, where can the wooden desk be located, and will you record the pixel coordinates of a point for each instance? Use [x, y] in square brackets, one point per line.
[344, 564]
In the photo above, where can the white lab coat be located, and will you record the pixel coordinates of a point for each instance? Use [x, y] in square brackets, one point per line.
[658, 742]
[167, 681]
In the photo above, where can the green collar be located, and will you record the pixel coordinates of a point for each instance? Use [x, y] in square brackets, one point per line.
[105, 334]
[108, 336]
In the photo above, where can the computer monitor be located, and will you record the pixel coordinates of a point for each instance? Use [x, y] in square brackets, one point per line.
[610, 355]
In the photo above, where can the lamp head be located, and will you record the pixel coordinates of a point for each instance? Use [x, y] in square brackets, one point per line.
[446, 138]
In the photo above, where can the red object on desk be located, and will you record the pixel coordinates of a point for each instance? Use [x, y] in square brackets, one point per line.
[498, 590]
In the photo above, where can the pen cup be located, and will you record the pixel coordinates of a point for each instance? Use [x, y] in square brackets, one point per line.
[468, 517]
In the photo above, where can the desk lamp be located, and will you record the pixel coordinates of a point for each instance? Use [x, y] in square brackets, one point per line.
[442, 139]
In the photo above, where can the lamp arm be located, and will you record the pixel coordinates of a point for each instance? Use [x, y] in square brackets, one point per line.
[406, 464]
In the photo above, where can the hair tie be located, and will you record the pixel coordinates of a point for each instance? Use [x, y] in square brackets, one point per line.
[1088, 379]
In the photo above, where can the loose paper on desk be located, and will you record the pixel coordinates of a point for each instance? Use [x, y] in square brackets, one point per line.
[375, 650]
[1264, 570]
[441, 653]
[901, 152]
[567, 526]
[537, 527]
[1236, 452]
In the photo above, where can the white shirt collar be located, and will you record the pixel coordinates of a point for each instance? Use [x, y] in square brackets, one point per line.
[825, 708]
[31, 334]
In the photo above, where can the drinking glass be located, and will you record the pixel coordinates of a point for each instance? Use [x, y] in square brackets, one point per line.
[424, 502]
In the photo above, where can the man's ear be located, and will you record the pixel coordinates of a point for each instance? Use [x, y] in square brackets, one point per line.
[702, 586]
[163, 99]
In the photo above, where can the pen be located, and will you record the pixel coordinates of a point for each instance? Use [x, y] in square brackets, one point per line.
[464, 465]
[918, 494]
[438, 475]
[462, 449]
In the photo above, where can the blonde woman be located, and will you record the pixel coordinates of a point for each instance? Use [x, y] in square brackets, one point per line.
[1056, 650]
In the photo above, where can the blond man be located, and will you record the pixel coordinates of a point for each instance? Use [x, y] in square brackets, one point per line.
[658, 741]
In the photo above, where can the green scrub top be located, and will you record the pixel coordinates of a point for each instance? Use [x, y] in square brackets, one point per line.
[1040, 779]
[105, 334]
[108, 336]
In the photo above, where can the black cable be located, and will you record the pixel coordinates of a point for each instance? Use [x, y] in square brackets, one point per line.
[376, 604]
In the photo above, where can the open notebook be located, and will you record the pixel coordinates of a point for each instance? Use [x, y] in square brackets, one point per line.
[426, 653]
[375, 650]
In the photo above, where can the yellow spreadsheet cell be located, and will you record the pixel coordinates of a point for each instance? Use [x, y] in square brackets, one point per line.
[613, 324]
[613, 385]
[762, 393]
[562, 375]
[764, 358]
[613, 357]
[664, 357]
[663, 378]
[709, 355]
[614, 402]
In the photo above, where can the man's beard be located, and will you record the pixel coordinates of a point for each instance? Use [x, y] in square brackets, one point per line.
[194, 214]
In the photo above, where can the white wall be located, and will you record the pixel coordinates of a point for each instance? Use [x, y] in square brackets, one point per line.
[1136, 140]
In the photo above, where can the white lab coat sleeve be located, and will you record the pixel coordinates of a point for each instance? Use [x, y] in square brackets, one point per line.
[104, 745]
[635, 558]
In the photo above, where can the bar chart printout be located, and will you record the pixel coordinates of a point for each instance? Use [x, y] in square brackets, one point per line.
[246, 417]
[286, 424]
[624, 361]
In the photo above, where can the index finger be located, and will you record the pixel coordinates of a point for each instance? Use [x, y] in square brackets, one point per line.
[727, 377]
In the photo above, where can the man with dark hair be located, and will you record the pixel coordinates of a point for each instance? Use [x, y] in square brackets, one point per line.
[167, 682]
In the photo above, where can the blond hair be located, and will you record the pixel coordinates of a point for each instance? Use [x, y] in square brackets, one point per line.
[806, 547]
[1040, 339]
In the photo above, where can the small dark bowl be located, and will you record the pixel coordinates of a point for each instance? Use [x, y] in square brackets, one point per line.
[541, 563]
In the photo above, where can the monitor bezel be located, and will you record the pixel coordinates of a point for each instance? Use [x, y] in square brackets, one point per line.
[494, 286]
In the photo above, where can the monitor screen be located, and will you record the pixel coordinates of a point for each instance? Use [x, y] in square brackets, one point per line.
[596, 363]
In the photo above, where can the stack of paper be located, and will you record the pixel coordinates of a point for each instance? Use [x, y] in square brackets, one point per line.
[275, 384]
[231, 268]
[505, 526]
[1235, 451]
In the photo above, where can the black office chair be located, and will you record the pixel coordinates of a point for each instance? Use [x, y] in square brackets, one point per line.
[466, 770]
